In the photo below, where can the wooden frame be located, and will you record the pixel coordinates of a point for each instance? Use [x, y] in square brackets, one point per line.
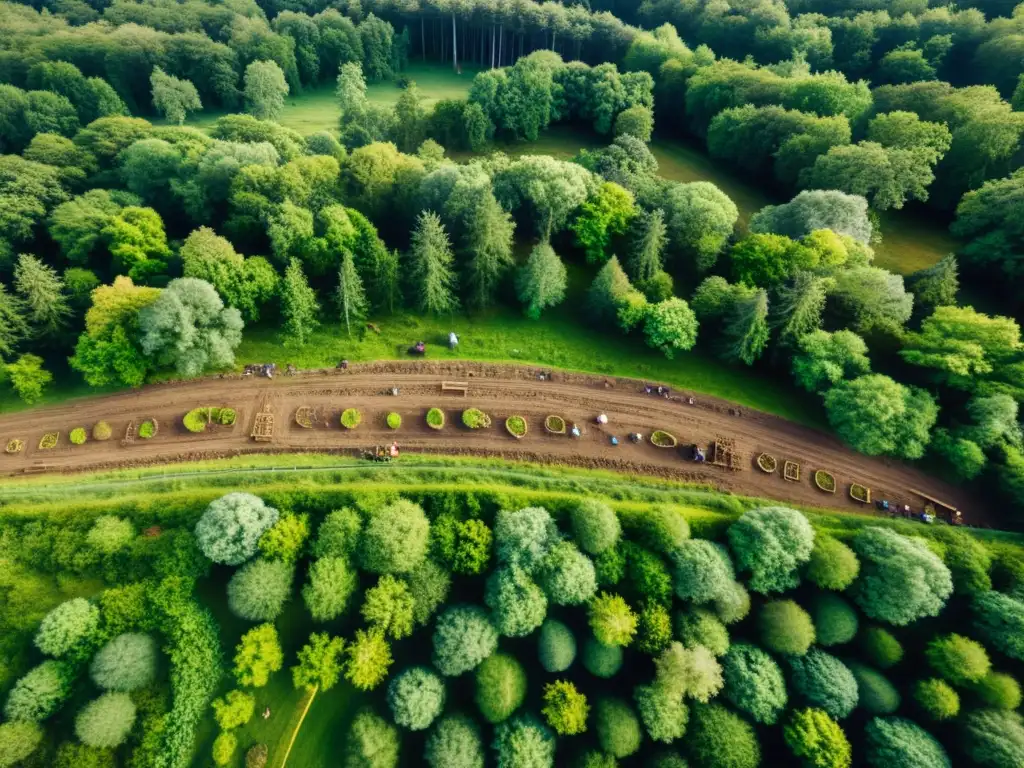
[791, 471]
[462, 387]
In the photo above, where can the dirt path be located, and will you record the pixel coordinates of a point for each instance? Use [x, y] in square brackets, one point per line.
[497, 389]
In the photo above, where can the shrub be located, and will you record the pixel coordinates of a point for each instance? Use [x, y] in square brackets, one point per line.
[110, 534]
[663, 529]
[824, 682]
[772, 543]
[833, 565]
[876, 694]
[224, 747]
[556, 646]
[994, 738]
[234, 709]
[351, 418]
[595, 526]
[518, 606]
[664, 715]
[733, 604]
[958, 659]
[229, 530]
[77, 436]
[39, 693]
[937, 699]
[126, 663]
[474, 418]
[332, 582]
[395, 538]
[388, 607]
[435, 418]
[703, 571]
[754, 683]
[617, 726]
[654, 629]
[785, 627]
[666, 760]
[998, 691]
[969, 561]
[701, 627]
[368, 659]
[817, 740]
[524, 537]
[516, 425]
[196, 419]
[147, 429]
[463, 637]
[225, 416]
[601, 660]
[648, 579]
[256, 757]
[69, 626]
[500, 687]
[454, 743]
[567, 575]
[596, 759]
[73, 755]
[259, 590]
[999, 619]
[610, 566]
[338, 534]
[893, 741]
[101, 431]
[285, 539]
[565, 708]
[835, 620]
[17, 741]
[257, 655]
[880, 647]
[106, 721]
[719, 738]
[416, 698]
[611, 620]
[394, 420]
[428, 584]
[900, 580]
[524, 742]
[694, 672]
[372, 742]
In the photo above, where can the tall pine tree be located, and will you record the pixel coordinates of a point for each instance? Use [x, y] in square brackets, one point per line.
[42, 292]
[489, 236]
[13, 327]
[350, 296]
[298, 304]
[649, 237]
[541, 282]
[431, 275]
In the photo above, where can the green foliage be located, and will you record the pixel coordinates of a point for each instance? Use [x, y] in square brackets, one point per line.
[285, 539]
[173, 97]
[472, 550]
[106, 721]
[611, 620]
[18, 741]
[126, 663]
[27, 377]
[601, 660]
[565, 708]
[617, 726]
[877, 415]
[833, 565]
[998, 690]
[416, 698]
[500, 687]
[663, 714]
[299, 307]
[958, 659]
[428, 584]
[372, 742]
[817, 740]
[230, 528]
[605, 215]
[332, 582]
[595, 526]
[518, 605]
[785, 627]
[463, 637]
[900, 580]
[719, 738]
[388, 607]
[877, 695]
[77, 436]
[566, 575]
[394, 420]
[993, 738]
[701, 627]
[772, 543]
[647, 578]
[824, 682]
[754, 683]
[394, 539]
[101, 431]
[524, 537]
[68, 628]
[703, 571]
[71, 755]
[999, 620]
[454, 742]
[258, 655]
[39, 693]
[693, 672]
[835, 620]
[259, 590]
[522, 742]
[368, 659]
[110, 534]
[320, 662]
[234, 709]
[670, 326]
[880, 647]
[895, 741]
[431, 260]
[265, 89]
[654, 629]
[338, 534]
[256, 757]
[541, 281]
[825, 359]
[351, 418]
[733, 604]
[556, 646]
[224, 747]
[937, 699]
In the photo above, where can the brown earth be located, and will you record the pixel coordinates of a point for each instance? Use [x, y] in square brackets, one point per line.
[498, 390]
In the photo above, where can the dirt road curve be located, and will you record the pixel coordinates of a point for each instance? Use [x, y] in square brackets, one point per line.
[498, 390]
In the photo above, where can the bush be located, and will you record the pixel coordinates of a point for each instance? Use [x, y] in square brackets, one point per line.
[229, 530]
[17, 742]
[565, 708]
[754, 683]
[234, 709]
[618, 728]
[958, 659]
[351, 418]
[595, 526]
[428, 584]
[703, 571]
[893, 741]
[648, 579]
[601, 660]
[454, 743]
[101, 431]
[435, 418]
[663, 529]
[69, 626]
[39, 693]
[77, 436]
[463, 637]
[999, 619]
[877, 695]
[147, 429]
[994, 738]
[395, 538]
[388, 607]
[524, 537]
[654, 629]
[106, 721]
[937, 699]
[338, 534]
[772, 543]
[663, 714]
[332, 582]
[785, 627]
[611, 620]
[516, 426]
[567, 575]
[110, 534]
[998, 691]
[610, 565]
[196, 419]
[817, 740]
[833, 565]
[719, 738]
[556, 646]
[733, 604]
[224, 747]
[880, 648]
[259, 590]
[693, 672]
[394, 420]
[524, 742]
[286, 538]
[500, 687]
[73, 755]
[596, 759]
[969, 561]
[474, 418]
[518, 606]
[368, 659]
[256, 757]
[126, 663]
[701, 627]
[835, 620]
[372, 742]
[258, 655]
[824, 682]
[416, 698]
[900, 580]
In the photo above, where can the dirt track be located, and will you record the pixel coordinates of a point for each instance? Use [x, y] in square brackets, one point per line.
[498, 390]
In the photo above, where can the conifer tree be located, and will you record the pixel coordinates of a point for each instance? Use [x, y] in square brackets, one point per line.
[13, 327]
[433, 281]
[298, 304]
[541, 281]
[649, 237]
[351, 297]
[42, 292]
[489, 237]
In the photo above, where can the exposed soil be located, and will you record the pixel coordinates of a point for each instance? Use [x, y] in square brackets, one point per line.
[500, 391]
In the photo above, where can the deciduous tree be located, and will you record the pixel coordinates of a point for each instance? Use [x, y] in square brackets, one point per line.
[265, 89]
